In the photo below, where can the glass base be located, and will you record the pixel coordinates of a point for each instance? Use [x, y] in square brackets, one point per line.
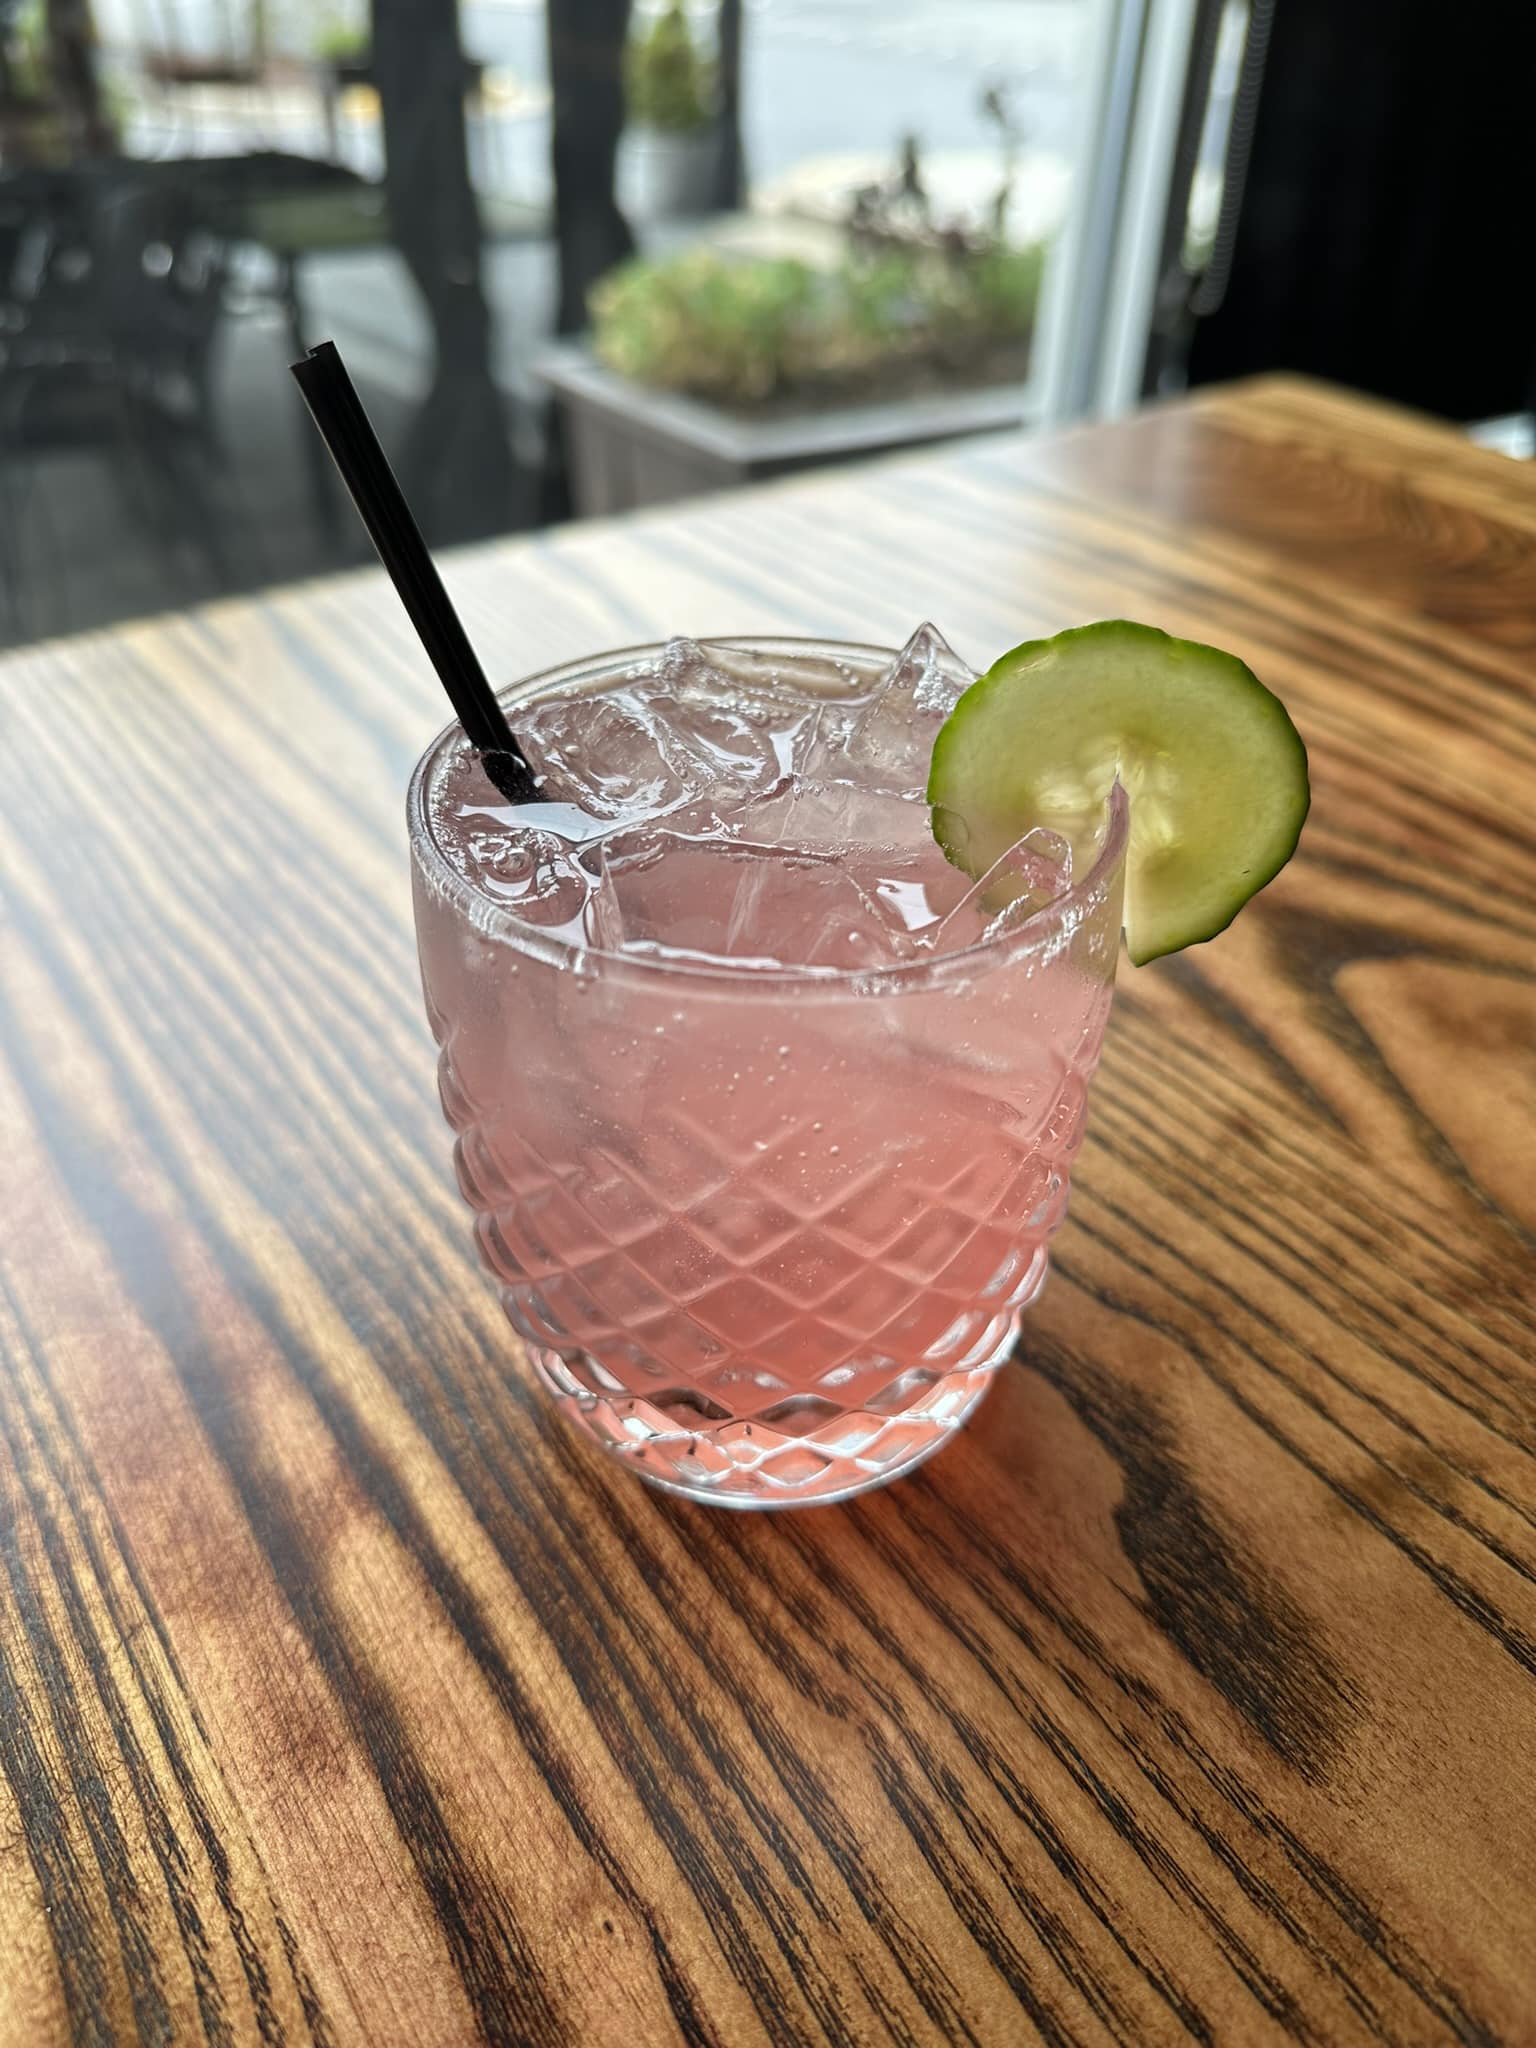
[811, 1457]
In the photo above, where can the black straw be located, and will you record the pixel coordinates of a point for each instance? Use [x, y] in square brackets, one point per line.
[338, 412]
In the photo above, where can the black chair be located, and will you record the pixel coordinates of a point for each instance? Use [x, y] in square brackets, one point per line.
[109, 319]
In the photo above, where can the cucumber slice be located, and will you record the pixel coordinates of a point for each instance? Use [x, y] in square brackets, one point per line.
[1215, 770]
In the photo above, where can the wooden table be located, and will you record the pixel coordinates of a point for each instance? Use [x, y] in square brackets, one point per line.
[345, 1698]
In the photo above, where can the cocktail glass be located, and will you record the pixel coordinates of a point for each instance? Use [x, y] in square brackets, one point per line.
[768, 1233]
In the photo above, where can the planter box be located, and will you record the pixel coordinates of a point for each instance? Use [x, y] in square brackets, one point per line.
[631, 446]
[666, 176]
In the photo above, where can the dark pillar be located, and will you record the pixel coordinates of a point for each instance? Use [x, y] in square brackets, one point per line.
[730, 175]
[76, 88]
[586, 74]
[457, 465]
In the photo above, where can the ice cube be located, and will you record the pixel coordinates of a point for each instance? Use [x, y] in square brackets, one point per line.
[533, 873]
[891, 734]
[624, 856]
[821, 755]
[850, 930]
[679, 730]
[718, 898]
[807, 710]
[1032, 873]
[460, 800]
[603, 916]
[832, 816]
[726, 751]
[885, 841]
[724, 736]
[763, 673]
[605, 753]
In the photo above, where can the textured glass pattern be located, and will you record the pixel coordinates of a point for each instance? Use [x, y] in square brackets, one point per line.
[729, 1325]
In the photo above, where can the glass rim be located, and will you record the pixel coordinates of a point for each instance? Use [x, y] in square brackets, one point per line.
[498, 922]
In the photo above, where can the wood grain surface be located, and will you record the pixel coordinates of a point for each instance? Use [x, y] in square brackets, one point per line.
[1191, 1696]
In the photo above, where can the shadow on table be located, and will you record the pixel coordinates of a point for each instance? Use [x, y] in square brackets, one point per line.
[1065, 1518]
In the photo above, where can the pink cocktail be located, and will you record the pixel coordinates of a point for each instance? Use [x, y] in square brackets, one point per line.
[766, 1111]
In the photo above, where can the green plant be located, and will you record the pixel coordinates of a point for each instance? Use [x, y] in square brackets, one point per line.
[27, 50]
[340, 40]
[694, 322]
[995, 291]
[668, 81]
[747, 330]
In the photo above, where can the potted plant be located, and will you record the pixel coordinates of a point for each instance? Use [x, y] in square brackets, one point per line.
[710, 366]
[670, 92]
